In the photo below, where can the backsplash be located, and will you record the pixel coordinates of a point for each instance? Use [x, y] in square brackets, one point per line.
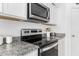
[13, 28]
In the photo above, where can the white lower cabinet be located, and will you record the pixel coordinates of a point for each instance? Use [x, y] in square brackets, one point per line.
[32, 53]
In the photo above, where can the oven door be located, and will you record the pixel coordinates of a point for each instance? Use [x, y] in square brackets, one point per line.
[48, 49]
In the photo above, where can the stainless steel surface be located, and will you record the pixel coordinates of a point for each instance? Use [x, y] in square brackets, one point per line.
[57, 36]
[37, 17]
[43, 44]
[49, 47]
[27, 32]
[60, 35]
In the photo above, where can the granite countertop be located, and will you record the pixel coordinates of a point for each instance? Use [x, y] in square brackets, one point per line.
[20, 48]
[17, 48]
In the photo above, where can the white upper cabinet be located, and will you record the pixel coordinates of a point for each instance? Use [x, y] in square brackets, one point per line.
[52, 13]
[0, 7]
[18, 10]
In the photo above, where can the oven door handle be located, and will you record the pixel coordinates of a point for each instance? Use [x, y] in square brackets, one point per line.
[49, 47]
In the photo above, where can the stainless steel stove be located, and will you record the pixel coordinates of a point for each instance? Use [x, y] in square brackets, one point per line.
[34, 36]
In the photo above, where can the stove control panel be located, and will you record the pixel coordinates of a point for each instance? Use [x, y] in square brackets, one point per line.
[26, 32]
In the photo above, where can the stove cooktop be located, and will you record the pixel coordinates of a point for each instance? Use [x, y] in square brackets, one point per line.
[44, 42]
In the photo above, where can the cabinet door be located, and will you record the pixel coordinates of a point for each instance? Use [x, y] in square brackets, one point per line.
[32, 53]
[0, 7]
[75, 31]
[52, 13]
[15, 9]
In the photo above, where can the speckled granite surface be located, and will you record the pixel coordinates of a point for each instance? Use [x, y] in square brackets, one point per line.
[16, 48]
[20, 48]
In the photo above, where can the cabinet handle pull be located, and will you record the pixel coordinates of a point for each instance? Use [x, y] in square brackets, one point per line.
[73, 35]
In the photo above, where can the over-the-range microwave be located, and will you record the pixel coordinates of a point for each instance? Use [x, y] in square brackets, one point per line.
[38, 12]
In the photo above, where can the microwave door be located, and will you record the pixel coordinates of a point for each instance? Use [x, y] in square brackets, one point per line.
[37, 13]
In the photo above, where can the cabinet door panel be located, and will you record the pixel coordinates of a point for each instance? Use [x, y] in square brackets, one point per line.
[52, 13]
[75, 31]
[15, 9]
[0, 7]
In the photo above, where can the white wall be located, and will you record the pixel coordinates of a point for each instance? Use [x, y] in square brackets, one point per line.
[9, 27]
